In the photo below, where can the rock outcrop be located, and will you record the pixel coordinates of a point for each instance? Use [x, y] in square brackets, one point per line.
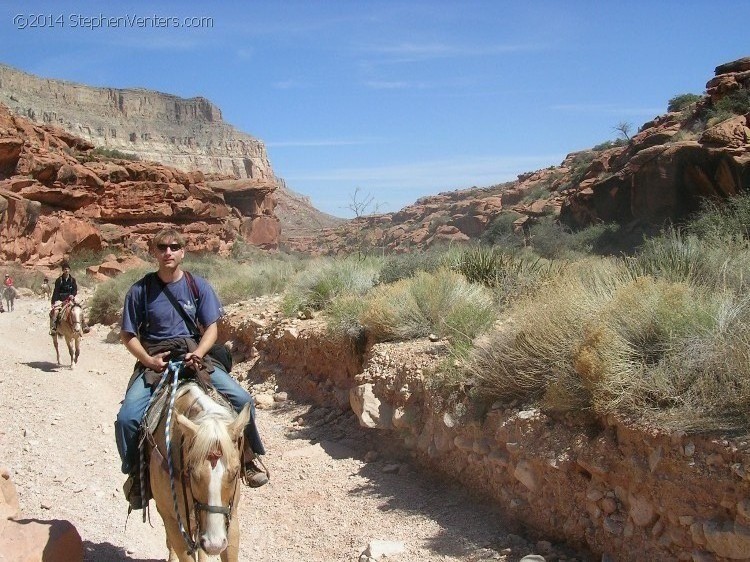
[32, 540]
[58, 197]
[661, 174]
[188, 134]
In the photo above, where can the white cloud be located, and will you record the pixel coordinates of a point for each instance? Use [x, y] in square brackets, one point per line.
[437, 174]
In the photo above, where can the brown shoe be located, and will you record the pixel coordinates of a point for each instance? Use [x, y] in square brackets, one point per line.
[253, 475]
[132, 490]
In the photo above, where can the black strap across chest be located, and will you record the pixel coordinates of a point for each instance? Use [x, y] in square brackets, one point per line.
[189, 322]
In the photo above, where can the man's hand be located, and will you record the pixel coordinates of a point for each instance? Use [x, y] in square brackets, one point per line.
[157, 362]
[193, 360]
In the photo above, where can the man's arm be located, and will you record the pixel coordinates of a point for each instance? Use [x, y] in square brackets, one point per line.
[134, 346]
[56, 291]
[207, 340]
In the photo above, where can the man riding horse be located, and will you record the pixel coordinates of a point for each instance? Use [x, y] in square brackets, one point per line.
[155, 330]
[65, 287]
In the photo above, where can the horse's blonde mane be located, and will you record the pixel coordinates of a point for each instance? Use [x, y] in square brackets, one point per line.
[212, 421]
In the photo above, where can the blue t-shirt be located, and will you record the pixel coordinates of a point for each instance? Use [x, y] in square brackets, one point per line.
[157, 318]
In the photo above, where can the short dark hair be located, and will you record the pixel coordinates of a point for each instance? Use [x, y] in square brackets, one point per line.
[65, 265]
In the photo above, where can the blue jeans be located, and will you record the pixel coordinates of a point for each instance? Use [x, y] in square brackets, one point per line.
[136, 401]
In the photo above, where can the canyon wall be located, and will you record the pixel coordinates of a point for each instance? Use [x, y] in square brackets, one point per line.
[188, 134]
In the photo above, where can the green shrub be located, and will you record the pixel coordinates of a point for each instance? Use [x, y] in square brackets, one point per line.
[553, 240]
[718, 221]
[591, 341]
[704, 383]
[23, 277]
[509, 276]
[323, 280]
[114, 153]
[343, 316]
[735, 103]
[524, 358]
[403, 266]
[606, 145]
[500, 232]
[442, 302]
[682, 101]
[105, 305]
[716, 264]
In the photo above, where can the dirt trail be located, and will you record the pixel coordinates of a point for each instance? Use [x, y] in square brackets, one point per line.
[334, 488]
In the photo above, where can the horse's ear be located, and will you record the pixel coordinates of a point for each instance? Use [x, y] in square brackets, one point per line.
[188, 427]
[238, 425]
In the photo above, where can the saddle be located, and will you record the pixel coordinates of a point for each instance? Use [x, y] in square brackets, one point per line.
[153, 416]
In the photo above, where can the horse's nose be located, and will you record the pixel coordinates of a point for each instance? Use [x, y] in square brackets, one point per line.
[213, 547]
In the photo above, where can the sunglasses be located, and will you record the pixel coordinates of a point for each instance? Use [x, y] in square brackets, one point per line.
[173, 247]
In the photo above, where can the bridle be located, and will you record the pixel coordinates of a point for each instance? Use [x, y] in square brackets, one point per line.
[174, 367]
[67, 313]
[187, 485]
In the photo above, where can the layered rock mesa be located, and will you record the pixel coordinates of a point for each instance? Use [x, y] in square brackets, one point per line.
[188, 134]
[661, 174]
[59, 197]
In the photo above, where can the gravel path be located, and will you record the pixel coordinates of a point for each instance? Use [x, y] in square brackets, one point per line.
[334, 487]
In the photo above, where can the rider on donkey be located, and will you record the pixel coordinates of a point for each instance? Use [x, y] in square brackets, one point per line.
[153, 330]
[65, 287]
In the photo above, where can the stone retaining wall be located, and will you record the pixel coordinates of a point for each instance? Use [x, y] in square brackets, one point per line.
[626, 493]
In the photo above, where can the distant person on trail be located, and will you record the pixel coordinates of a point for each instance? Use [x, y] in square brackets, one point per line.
[46, 291]
[8, 281]
[65, 286]
[167, 314]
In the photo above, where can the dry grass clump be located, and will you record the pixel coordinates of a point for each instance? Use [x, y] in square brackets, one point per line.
[602, 340]
[324, 280]
[443, 302]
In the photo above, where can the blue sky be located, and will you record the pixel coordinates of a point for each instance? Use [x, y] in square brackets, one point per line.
[400, 99]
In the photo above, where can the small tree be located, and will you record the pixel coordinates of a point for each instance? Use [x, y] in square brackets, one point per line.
[624, 129]
[362, 204]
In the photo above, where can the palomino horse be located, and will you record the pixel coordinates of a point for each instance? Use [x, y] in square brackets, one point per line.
[70, 326]
[196, 489]
[9, 294]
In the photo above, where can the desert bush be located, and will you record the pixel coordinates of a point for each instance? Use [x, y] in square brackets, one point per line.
[500, 232]
[114, 153]
[532, 352]
[704, 383]
[735, 103]
[606, 145]
[343, 315]
[23, 277]
[403, 266]
[240, 283]
[682, 101]
[443, 303]
[325, 279]
[592, 341]
[718, 221]
[105, 305]
[508, 276]
[553, 240]
[714, 263]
